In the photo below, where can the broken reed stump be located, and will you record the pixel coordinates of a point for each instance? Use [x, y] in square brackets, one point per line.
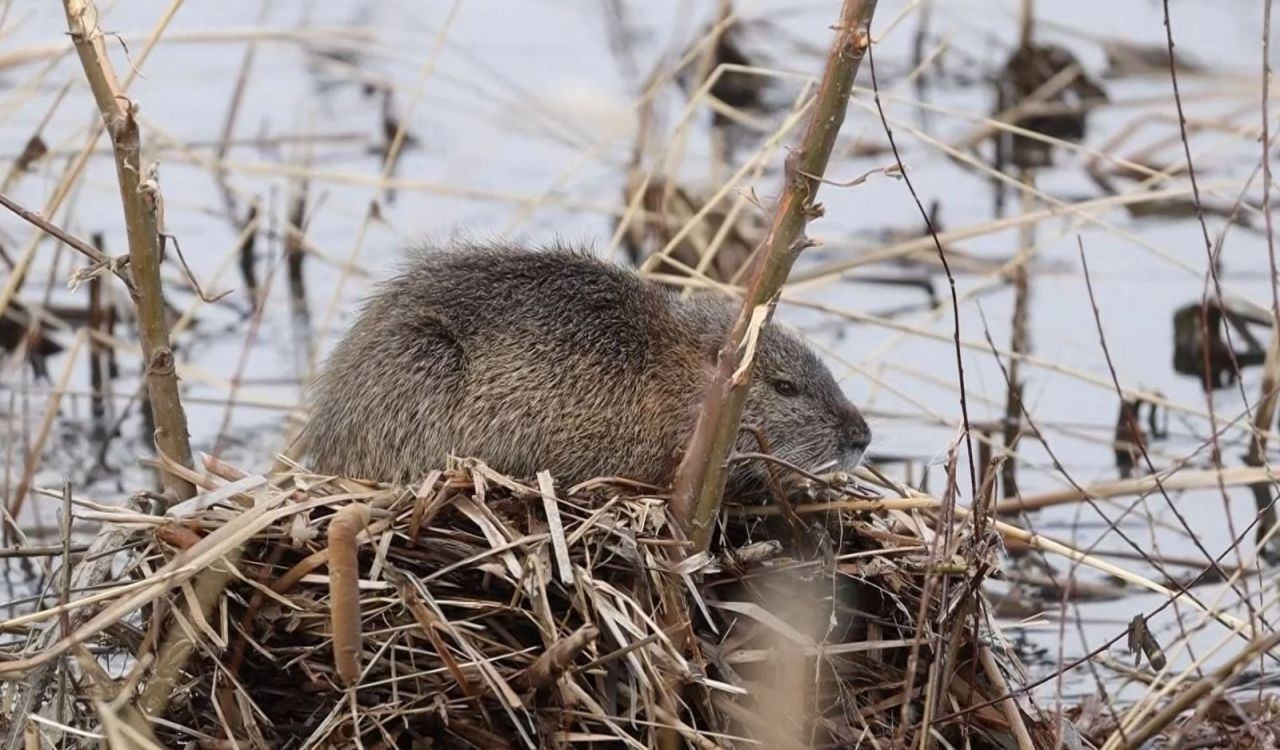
[734, 94]
[102, 360]
[1206, 337]
[1046, 88]
[699, 481]
[1264, 416]
[1042, 88]
[1019, 341]
[141, 199]
[719, 244]
[295, 254]
[248, 254]
[21, 332]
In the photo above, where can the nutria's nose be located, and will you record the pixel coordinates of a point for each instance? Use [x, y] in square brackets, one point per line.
[857, 435]
[858, 440]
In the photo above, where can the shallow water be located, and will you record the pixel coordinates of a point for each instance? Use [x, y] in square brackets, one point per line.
[525, 123]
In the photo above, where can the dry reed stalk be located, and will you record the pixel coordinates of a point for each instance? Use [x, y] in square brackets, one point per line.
[1140, 195]
[105, 695]
[141, 199]
[700, 478]
[94, 568]
[1020, 338]
[101, 318]
[1271, 374]
[178, 645]
[185, 371]
[1084, 210]
[216, 546]
[295, 252]
[657, 81]
[162, 146]
[1009, 706]
[1010, 532]
[1170, 686]
[1150, 397]
[36, 450]
[752, 167]
[1034, 103]
[344, 36]
[233, 109]
[384, 183]
[1173, 480]
[1264, 415]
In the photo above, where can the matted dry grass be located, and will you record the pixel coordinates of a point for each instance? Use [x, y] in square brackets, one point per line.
[497, 613]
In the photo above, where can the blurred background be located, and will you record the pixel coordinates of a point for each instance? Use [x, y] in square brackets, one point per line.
[303, 146]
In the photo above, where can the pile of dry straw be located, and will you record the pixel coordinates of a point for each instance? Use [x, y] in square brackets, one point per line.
[477, 610]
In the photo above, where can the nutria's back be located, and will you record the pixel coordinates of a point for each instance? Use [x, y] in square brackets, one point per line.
[552, 359]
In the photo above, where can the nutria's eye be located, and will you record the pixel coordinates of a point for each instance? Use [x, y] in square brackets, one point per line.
[786, 388]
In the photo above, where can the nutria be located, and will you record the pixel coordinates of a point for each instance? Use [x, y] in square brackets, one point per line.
[552, 359]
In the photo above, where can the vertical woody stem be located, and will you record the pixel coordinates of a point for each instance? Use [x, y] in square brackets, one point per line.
[700, 479]
[140, 197]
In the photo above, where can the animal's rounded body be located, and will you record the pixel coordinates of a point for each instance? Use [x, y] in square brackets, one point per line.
[555, 360]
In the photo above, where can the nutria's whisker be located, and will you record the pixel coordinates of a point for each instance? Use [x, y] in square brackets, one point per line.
[783, 463]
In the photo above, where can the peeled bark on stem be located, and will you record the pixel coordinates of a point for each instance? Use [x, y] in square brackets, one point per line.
[700, 480]
[140, 198]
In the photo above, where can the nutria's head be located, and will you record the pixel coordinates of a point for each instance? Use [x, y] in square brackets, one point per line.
[797, 405]
[794, 401]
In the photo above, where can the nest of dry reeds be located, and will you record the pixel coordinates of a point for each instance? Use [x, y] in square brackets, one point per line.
[477, 610]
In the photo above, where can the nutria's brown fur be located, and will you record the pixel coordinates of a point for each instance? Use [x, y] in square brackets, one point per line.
[552, 359]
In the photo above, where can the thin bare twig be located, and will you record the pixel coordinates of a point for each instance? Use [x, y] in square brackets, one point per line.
[100, 259]
[951, 282]
[1106, 352]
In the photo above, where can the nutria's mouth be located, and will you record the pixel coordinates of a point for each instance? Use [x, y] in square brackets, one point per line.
[847, 460]
[850, 459]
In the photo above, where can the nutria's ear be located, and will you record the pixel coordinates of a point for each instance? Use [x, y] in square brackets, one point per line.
[709, 350]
